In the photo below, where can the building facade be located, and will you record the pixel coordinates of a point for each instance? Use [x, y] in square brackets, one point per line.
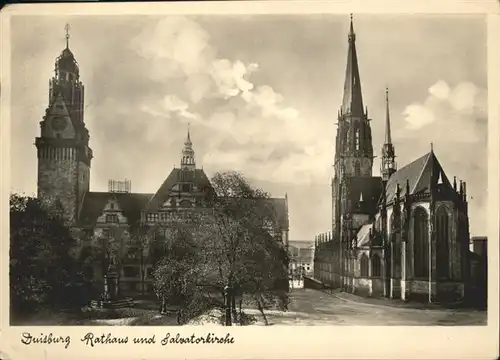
[403, 234]
[120, 217]
[301, 255]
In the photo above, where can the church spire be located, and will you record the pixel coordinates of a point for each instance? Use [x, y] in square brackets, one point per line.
[354, 138]
[187, 161]
[388, 139]
[388, 154]
[67, 27]
[352, 102]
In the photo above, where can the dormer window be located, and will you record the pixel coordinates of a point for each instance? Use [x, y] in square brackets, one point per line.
[111, 218]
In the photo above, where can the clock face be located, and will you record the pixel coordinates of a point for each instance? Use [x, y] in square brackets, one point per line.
[59, 123]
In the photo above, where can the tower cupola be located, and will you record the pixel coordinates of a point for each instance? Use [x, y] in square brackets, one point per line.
[66, 66]
[188, 160]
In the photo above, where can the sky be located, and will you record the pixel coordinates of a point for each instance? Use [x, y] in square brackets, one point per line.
[261, 94]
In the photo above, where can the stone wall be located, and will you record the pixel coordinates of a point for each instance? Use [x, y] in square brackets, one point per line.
[419, 287]
[311, 283]
[57, 178]
[362, 286]
[450, 291]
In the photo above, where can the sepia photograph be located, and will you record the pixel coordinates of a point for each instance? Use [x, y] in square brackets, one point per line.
[174, 176]
[248, 170]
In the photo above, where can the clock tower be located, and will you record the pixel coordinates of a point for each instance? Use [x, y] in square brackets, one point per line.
[64, 155]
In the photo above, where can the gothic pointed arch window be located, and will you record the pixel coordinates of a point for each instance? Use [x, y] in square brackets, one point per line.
[357, 169]
[442, 243]
[420, 243]
[356, 139]
[364, 265]
[376, 265]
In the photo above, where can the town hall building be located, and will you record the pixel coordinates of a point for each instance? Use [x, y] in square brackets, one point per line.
[118, 215]
[401, 235]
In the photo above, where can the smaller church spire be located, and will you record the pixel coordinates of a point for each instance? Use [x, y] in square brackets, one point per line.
[388, 139]
[388, 152]
[67, 28]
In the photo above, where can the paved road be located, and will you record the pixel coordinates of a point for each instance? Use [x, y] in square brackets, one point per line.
[312, 307]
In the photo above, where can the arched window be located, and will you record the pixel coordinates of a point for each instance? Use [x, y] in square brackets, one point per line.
[356, 140]
[357, 169]
[420, 243]
[364, 263]
[376, 265]
[442, 250]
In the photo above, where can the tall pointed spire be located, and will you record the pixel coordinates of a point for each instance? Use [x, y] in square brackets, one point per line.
[352, 102]
[388, 139]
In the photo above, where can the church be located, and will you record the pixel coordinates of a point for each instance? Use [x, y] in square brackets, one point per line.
[402, 235]
[118, 215]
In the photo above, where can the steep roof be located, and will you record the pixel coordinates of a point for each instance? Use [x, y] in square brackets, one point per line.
[133, 204]
[196, 176]
[420, 173]
[367, 189]
[94, 203]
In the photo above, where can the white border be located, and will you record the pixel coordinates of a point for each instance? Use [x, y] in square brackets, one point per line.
[271, 342]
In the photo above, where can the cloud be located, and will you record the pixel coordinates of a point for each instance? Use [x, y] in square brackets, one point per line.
[463, 106]
[232, 78]
[441, 90]
[455, 120]
[219, 97]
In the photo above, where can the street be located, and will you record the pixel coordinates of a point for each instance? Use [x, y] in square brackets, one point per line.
[313, 307]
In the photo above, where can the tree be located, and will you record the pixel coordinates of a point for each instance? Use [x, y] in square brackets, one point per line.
[182, 277]
[237, 249]
[42, 271]
[110, 247]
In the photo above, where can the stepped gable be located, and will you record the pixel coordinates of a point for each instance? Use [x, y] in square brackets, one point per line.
[130, 203]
